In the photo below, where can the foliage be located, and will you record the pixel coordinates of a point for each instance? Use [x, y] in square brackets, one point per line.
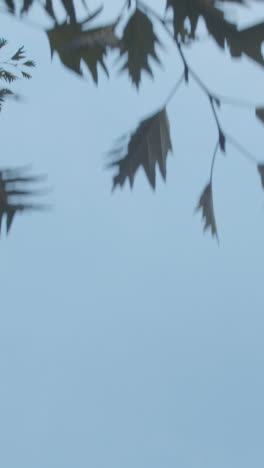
[78, 43]
[13, 194]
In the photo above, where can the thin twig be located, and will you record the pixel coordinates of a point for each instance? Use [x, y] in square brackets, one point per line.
[213, 162]
[242, 150]
[174, 89]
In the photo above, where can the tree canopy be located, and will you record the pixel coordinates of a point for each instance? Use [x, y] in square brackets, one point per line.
[83, 47]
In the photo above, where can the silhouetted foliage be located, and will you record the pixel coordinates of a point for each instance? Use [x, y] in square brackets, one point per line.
[78, 43]
[13, 194]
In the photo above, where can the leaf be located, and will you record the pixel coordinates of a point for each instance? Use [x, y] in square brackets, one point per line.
[26, 75]
[49, 9]
[27, 4]
[3, 42]
[10, 183]
[138, 43]
[149, 144]
[206, 205]
[7, 76]
[69, 7]
[261, 172]
[29, 63]
[74, 45]
[19, 54]
[10, 5]
[222, 140]
[247, 41]
[259, 111]
[4, 92]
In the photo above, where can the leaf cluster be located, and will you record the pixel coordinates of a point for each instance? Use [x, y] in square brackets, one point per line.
[12, 68]
[80, 44]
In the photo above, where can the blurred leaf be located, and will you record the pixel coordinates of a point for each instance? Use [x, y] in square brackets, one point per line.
[3, 42]
[69, 7]
[261, 172]
[29, 63]
[27, 4]
[10, 5]
[206, 205]
[10, 191]
[19, 54]
[149, 144]
[74, 45]
[7, 76]
[4, 92]
[48, 7]
[26, 75]
[138, 43]
[260, 113]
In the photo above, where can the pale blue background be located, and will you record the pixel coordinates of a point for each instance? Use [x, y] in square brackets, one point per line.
[127, 337]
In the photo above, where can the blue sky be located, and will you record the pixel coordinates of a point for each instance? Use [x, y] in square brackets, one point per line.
[127, 336]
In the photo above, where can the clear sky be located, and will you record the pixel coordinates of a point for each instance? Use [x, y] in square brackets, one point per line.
[128, 338]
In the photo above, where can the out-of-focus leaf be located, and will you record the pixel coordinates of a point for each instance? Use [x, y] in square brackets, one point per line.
[149, 145]
[10, 5]
[4, 92]
[12, 195]
[260, 113]
[206, 205]
[261, 172]
[49, 9]
[3, 42]
[74, 45]
[69, 7]
[247, 41]
[138, 44]
[20, 54]
[27, 4]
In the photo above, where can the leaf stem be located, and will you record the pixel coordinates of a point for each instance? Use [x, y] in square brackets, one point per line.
[242, 149]
[174, 89]
[213, 162]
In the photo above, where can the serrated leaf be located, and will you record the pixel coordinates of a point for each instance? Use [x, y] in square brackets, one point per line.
[26, 75]
[138, 44]
[69, 7]
[206, 205]
[74, 45]
[49, 9]
[149, 145]
[261, 172]
[7, 76]
[19, 54]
